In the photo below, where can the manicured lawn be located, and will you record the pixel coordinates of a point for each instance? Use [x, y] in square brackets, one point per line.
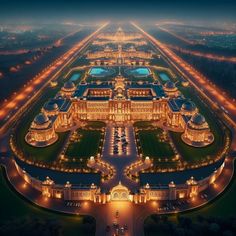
[143, 124]
[96, 124]
[152, 146]
[45, 154]
[13, 207]
[87, 146]
[191, 154]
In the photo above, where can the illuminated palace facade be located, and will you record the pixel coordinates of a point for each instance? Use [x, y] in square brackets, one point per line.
[129, 56]
[120, 53]
[119, 101]
[120, 37]
[73, 192]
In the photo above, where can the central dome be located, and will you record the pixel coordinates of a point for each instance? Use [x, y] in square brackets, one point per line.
[198, 119]
[41, 119]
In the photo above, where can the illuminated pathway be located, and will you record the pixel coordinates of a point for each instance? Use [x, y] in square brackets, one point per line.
[202, 84]
[21, 99]
[119, 161]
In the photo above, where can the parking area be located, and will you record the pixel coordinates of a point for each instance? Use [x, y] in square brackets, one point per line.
[119, 141]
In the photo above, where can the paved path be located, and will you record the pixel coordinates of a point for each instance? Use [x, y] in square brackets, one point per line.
[119, 161]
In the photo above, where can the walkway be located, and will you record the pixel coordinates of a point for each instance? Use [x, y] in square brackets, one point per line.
[119, 161]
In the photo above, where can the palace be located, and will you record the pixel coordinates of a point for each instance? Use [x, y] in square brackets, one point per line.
[120, 81]
[189, 188]
[120, 53]
[120, 36]
[120, 56]
[119, 101]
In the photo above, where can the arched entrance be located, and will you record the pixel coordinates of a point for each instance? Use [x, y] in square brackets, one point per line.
[120, 193]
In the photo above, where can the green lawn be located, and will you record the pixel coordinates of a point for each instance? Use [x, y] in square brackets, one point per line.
[87, 146]
[143, 124]
[152, 146]
[45, 154]
[191, 154]
[14, 207]
[96, 124]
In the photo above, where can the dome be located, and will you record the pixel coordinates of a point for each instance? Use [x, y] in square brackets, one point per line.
[41, 119]
[69, 85]
[198, 119]
[170, 85]
[188, 106]
[50, 106]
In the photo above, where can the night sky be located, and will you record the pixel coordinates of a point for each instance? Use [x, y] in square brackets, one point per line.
[41, 10]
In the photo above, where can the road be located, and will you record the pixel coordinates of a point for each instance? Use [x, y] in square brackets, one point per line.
[210, 56]
[11, 108]
[218, 99]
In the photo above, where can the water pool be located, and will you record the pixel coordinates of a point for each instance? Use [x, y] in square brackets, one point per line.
[139, 72]
[100, 72]
[74, 77]
[164, 77]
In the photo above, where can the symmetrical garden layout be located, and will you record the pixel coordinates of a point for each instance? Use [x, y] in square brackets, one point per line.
[120, 124]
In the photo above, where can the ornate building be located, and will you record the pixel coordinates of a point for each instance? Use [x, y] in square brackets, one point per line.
[120, 101]
[188, 188]
[42, 131]
[120, 36]
[119, 54]
[197, 132]
[170, 89]
[68, 89]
